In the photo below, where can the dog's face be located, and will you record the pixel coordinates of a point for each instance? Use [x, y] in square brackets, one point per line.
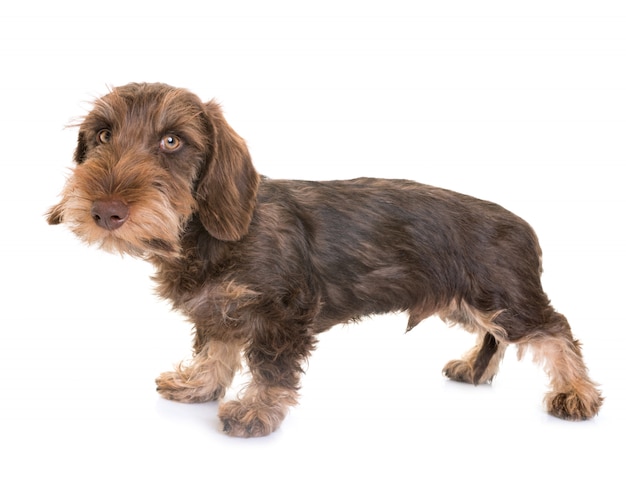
[148, 157]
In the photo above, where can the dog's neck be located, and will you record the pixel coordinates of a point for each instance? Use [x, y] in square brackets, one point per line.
[201, 258]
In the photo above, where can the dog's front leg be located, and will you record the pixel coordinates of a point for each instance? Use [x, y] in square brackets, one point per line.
[274, 358]
[259, 412]
[206, 377]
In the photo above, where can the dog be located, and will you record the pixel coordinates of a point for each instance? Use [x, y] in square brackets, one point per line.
[261, 267]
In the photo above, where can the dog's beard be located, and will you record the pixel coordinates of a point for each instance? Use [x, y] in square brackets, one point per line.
[153, 228]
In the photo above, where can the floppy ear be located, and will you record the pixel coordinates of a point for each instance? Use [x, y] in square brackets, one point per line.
[54, 215]
[226, 189]
[81, 149]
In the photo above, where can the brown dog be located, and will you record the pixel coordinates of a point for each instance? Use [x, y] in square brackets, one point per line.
[261, 266]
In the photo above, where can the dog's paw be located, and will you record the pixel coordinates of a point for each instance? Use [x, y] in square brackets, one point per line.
[572, 406]
[178, 386]
[459, 370]
[240, 420]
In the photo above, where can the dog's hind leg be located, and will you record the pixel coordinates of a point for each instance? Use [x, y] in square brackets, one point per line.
[532, 325]
[480, 364]
[573, 395]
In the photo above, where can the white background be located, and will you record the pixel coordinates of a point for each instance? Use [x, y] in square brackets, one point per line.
[522, 103]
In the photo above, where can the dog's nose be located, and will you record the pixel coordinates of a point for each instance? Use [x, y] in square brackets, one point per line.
[109, 214]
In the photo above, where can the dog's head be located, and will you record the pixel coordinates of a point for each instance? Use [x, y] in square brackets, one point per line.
[149, 156]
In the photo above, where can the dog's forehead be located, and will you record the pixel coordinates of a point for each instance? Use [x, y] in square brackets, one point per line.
[149, 104]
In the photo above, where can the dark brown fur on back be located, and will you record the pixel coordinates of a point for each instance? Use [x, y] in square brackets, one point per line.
[262, 266]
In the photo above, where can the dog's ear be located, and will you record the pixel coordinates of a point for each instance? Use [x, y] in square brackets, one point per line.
[54, 216]
[226, 189]
[81, 149]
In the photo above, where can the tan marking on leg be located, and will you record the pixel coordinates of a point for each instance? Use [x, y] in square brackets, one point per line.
[573, 396]
[258, 412]
[474, 321]
[205, 378]
[462, 370]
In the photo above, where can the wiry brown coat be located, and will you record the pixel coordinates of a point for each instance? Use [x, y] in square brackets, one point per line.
[262, 266]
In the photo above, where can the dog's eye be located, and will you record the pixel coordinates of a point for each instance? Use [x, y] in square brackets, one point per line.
[170, 143]
[104, 136]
